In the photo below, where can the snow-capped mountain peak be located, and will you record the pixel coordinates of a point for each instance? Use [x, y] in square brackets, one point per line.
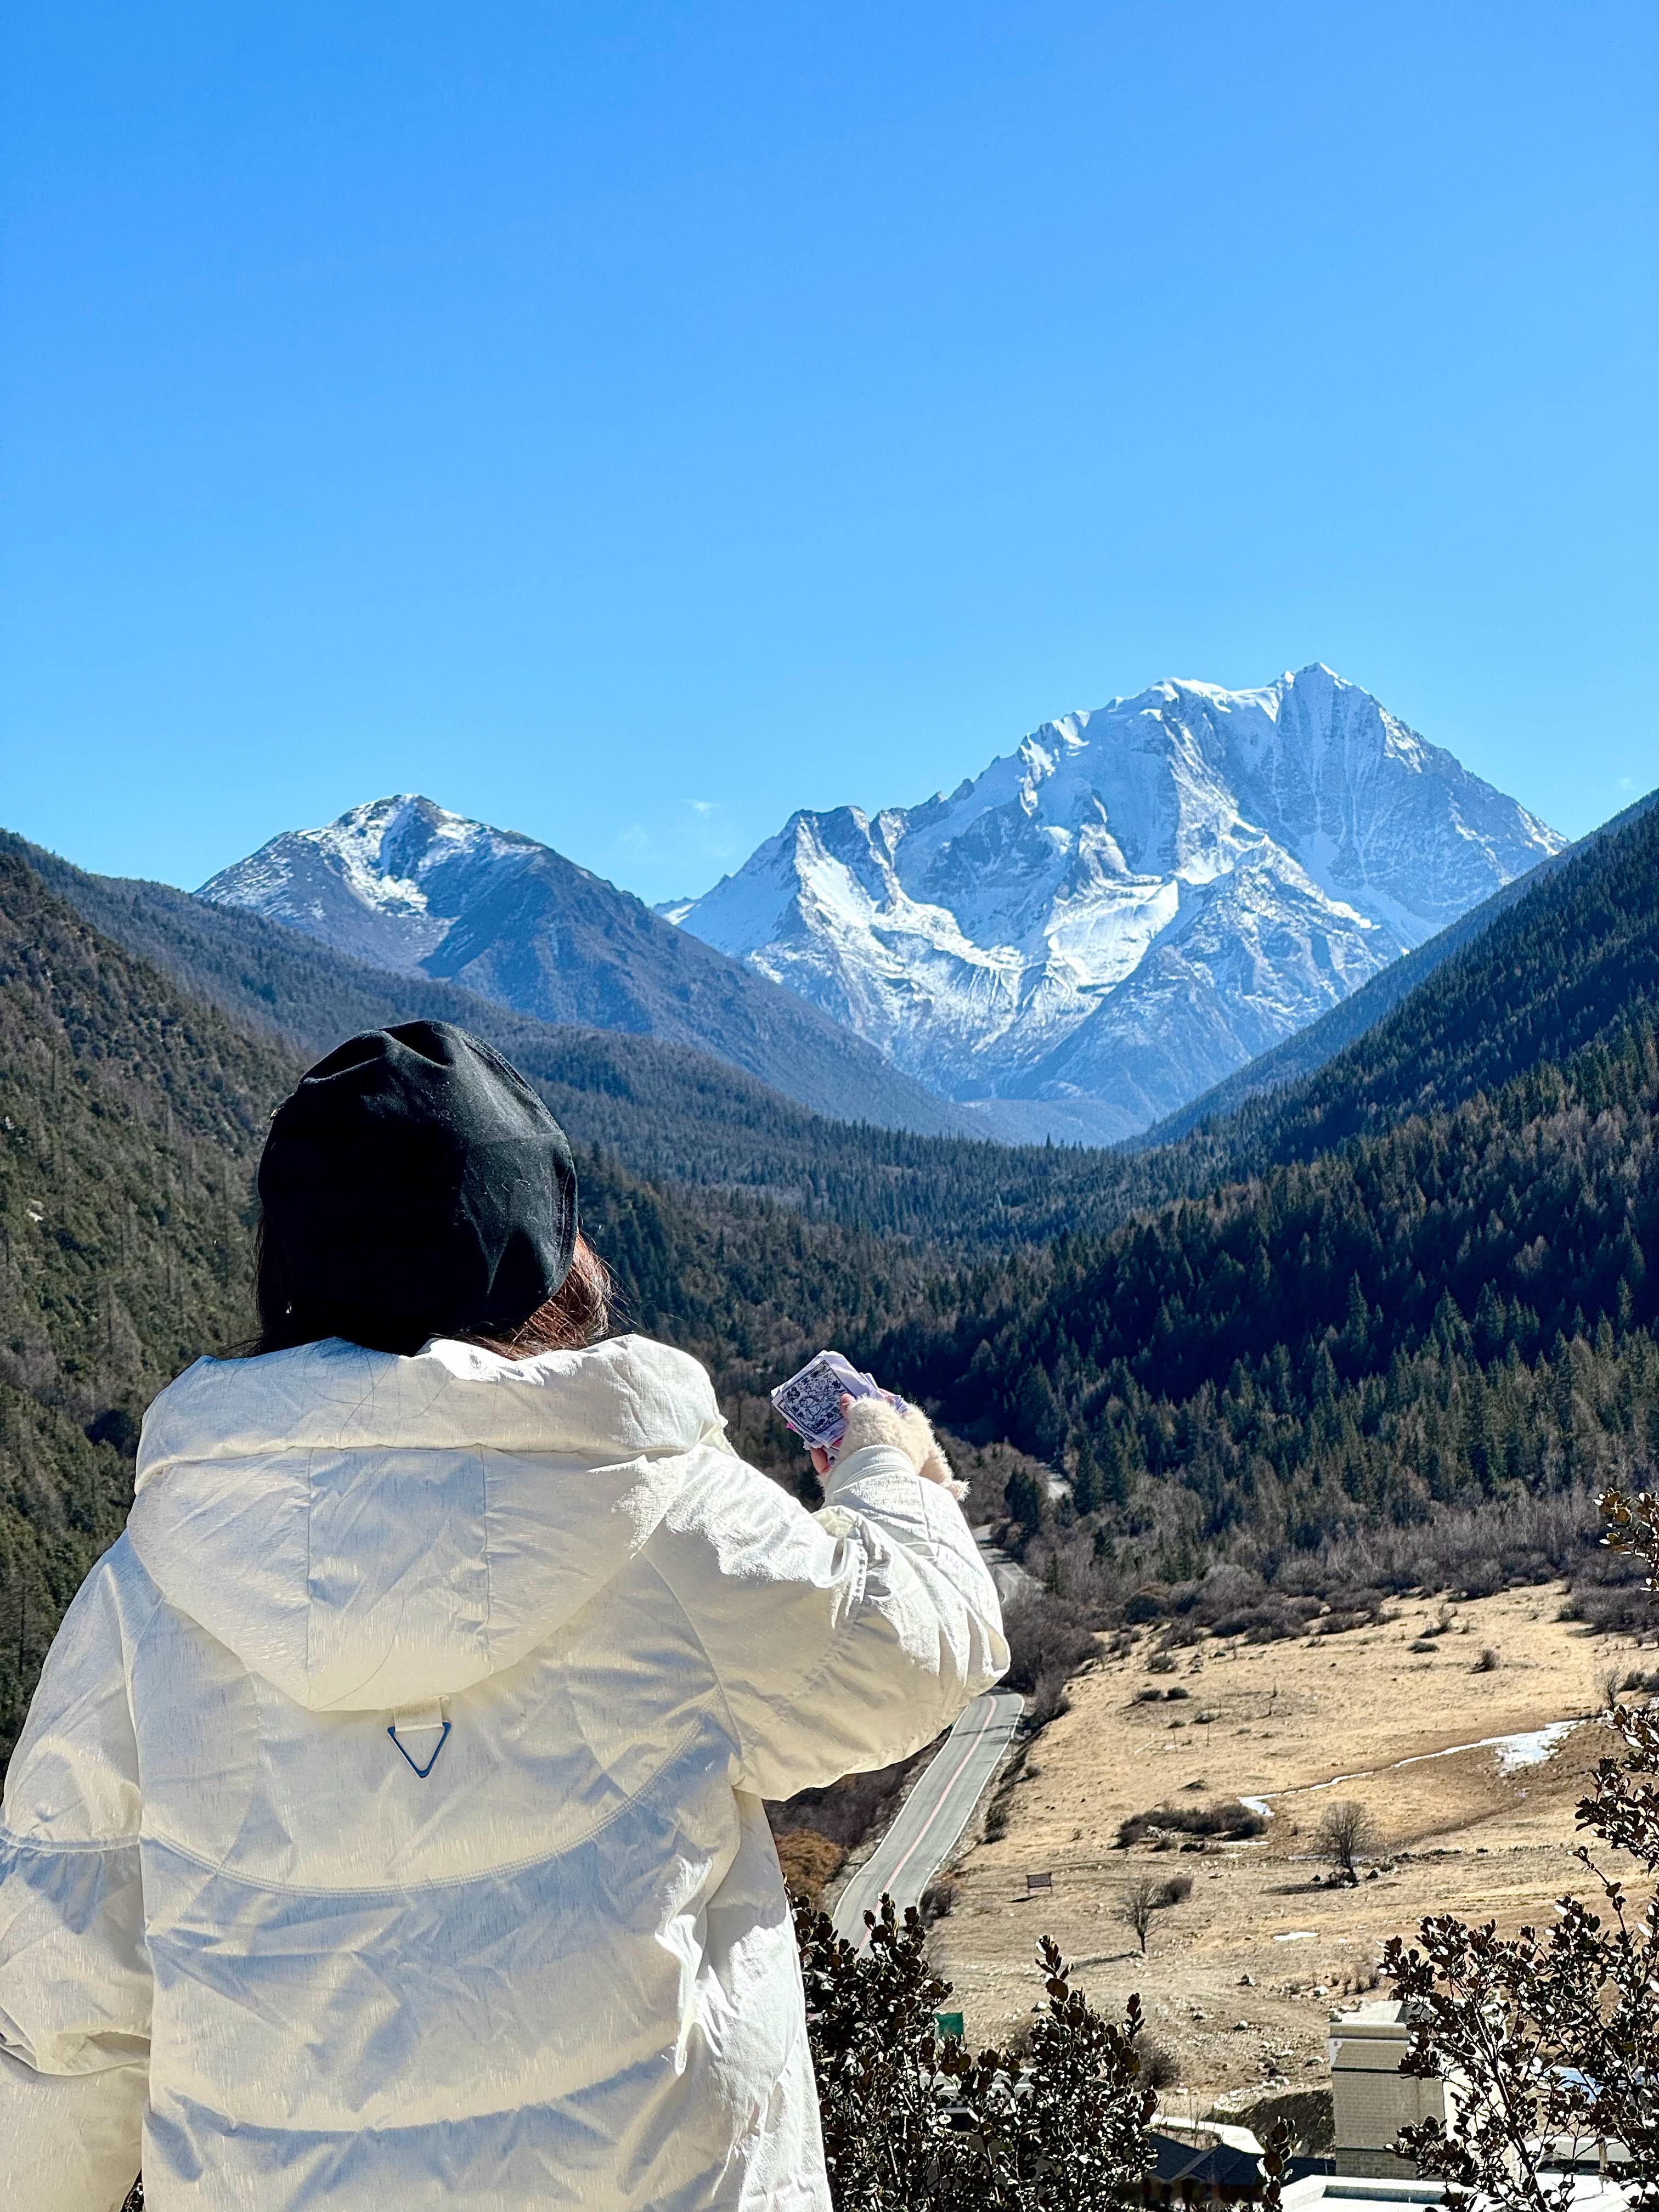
[1132, 903]
[406, 885]
[384, 881]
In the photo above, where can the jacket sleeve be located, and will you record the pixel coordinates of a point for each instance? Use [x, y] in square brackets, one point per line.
[841, 1640]
[75, 1984]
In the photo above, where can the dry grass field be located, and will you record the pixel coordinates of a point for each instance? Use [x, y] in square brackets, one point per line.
[1465, 1830]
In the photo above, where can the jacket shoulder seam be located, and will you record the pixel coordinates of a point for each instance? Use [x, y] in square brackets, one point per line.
[487, 1508]
[11, 1839]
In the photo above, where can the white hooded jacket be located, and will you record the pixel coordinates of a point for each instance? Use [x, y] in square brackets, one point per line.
[386, 1830]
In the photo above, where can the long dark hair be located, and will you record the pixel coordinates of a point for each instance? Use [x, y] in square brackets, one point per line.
[578, 1313]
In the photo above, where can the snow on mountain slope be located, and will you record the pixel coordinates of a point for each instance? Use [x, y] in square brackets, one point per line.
[385, 882]
[403, 883]
[1132, 904]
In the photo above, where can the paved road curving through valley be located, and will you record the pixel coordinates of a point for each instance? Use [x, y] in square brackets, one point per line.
[931, 1820]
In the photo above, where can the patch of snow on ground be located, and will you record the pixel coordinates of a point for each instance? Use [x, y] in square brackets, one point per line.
[1530, 1748]
[1526, 1748]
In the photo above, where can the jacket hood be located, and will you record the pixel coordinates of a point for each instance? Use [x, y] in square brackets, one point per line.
[370, 1533]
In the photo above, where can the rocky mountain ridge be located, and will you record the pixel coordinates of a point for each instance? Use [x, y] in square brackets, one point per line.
[1134, 903]
[414, 890]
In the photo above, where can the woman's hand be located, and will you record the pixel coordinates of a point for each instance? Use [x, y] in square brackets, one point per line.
[879, 1421]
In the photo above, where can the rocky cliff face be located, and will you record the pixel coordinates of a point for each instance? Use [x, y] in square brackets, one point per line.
[1132, 904]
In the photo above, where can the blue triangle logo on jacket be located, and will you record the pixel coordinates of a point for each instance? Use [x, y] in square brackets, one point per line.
[433, 1761]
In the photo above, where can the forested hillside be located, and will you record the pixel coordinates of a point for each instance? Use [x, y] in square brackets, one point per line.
[1458, 1312]
[130, 1122]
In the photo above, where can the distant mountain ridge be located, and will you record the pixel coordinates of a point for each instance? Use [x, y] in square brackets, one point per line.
[410, 888]
[1096, 931]
[1556, 961]
[1137, 902]
[666, 1111]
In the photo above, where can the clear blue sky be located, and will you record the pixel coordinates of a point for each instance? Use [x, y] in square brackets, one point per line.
[627, 423]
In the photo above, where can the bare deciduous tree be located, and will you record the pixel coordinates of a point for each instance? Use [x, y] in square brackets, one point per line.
[1345, 1835]
[1142, 1896]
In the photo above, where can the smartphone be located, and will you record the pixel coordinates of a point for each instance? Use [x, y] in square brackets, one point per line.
[810, 1401]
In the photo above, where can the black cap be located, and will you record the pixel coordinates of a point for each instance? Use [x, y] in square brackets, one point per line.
[414, 1174]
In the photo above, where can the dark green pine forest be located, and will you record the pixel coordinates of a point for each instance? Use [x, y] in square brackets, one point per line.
[130, 1122]
[1388, 1324]
[1458, 1313]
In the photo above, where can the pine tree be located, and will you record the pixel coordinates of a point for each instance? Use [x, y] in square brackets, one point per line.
[1026, 1502]
[1088, 1489]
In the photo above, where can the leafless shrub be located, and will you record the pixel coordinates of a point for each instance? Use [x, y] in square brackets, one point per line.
[1049, 1698]
[939, 1899]
[1150, 1602]
[1045, 1635]
[810, 1862]
[1225, 1819]
[1144, 1893]
[1159, 2067]
[1342, 1619]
